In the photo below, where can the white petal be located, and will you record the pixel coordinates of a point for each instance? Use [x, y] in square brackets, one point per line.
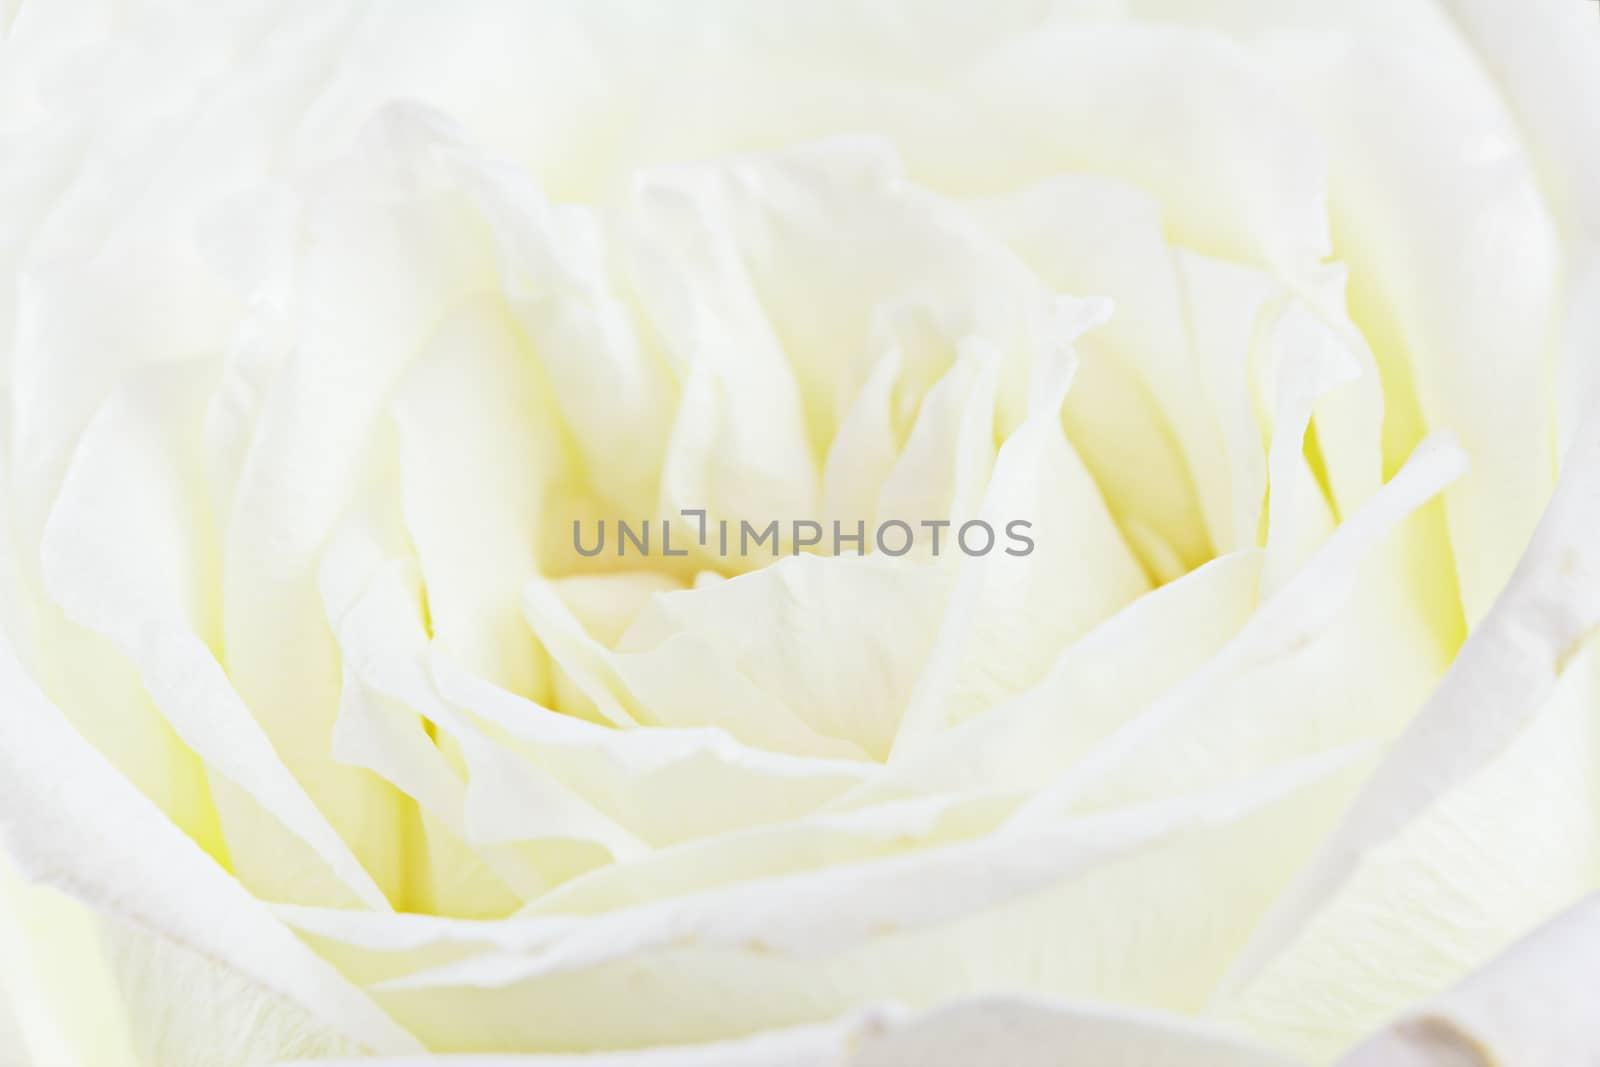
[1110, 673]
[384, 255]
[665, 784]
[865, 448]
[834, 642]
[1542, 59]
[1299, 612]
[128, 553]
[1181, 113]
[1014, 1031]
[559, 284]
[1013, 610]
[377, 730]
[1089, 908]
[59, 1002]
[386, 646]
[1022, 1032]
[480, 457]
[1534, 1004]
[807, 1046]
[1455, 264]
[1307, 363]
[1512, 718]
[98, 823]
[1086, 234]
[947, 460]
[740, 447]
[1224, 303]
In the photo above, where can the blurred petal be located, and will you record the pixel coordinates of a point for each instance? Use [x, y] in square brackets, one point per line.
[69, 817]
[1182, 113]
[382, 256]
[1542, 58]
[1042, 1033]
[1014, 1031]
[480, 456]
[59, 1001]
[813, 1046]
[128, 552]
[805, 946]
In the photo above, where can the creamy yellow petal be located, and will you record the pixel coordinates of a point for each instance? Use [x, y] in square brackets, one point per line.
[1530, 1005]
[129, 553]
[58, 998]
[164, 882]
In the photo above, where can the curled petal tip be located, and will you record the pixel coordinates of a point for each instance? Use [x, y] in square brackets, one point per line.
[1417, 1043]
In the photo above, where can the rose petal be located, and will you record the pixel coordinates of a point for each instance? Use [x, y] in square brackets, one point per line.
[668, 784]
[836, 643]
[375, 273]
[1182, 113]
[784, 950]
[480, 457]
[51, 959]
[1504, 723]
[386, 646]
[1532, 1004]
[128, 552]
[1118, 667]
[97, 821]
[1454, 260]
[1012, 609]
[1023, 1032]
[1015, 1031]
[1289, 621]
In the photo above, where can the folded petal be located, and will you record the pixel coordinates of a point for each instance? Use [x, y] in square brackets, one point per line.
[59, 1001]
[69, 817]
[129, 553]
[1046, 911]
[1015, 1031]
[1460, 794]
[1455, 261]
[1532, 1004]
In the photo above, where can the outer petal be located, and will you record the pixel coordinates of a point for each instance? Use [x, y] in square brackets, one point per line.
[1013, 1031]
[1185, 114]
[170, 897]
[1038, 1033]
[1542, 55]
[1532, 1005]
[10, 1036]
[128, 553]
[1479, 807]
[809, 1046]
[1084, 908]
[59, 1003]
[1455, 264]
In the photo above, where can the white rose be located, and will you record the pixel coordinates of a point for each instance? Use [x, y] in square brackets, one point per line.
[334, 331]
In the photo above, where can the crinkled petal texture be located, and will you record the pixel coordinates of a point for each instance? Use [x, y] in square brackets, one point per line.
[1095, 508]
